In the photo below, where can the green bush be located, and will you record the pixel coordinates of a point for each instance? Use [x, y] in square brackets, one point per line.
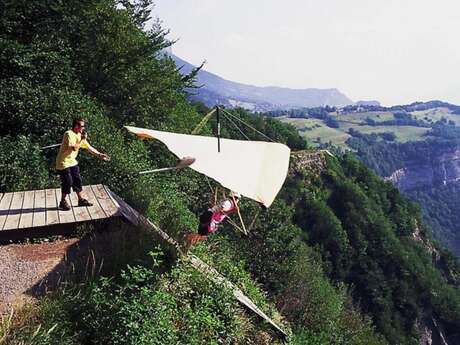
[142, 307]
[22, 165]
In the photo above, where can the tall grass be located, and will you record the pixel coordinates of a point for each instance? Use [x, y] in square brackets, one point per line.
[5, 326]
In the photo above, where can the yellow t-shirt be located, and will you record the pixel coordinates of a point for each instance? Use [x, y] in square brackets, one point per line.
[67, 157]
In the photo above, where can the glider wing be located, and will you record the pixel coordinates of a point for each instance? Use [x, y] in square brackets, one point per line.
[255, 169]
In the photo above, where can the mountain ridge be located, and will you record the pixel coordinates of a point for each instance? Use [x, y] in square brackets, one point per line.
[213, 89]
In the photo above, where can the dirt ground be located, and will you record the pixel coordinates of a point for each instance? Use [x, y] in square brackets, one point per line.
[24, 268]
[30, 270]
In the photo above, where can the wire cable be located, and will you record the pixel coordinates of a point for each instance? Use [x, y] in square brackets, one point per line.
[234, 124]
[246, 124]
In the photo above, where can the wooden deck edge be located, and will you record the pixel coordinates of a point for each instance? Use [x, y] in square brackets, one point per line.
[15, 235]
[58, 229]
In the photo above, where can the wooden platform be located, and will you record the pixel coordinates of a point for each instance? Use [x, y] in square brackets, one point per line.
[39, 208]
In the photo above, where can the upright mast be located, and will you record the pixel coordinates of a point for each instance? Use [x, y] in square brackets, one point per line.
[218, 128]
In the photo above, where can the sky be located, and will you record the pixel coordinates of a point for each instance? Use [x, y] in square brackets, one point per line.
[396, 52]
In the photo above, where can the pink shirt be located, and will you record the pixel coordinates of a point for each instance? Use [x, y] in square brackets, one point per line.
[219, 213]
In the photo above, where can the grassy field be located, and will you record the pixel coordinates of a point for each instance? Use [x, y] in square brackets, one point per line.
[316, 131]
[436, 115]
[403, 133]
[359, 118]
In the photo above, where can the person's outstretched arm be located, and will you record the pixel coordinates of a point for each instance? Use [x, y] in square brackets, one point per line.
[85, 144]
[98, 154]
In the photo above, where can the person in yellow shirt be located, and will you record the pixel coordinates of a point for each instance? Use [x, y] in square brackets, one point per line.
[67, 165]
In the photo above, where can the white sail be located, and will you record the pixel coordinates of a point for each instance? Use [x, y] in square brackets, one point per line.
[255, 169]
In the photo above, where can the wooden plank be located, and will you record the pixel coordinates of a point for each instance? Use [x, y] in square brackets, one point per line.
[81, 213]
[64, 216]
[27, 210]
[4, 208]
[95, 211]
[129, 213]
[14, 213]
[111, 195]
[52, 216]
[39, 208]
[105, 200]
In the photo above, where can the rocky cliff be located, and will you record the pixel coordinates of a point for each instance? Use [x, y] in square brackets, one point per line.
[439, 168]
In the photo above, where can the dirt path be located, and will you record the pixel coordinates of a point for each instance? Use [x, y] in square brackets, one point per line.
[24, 266]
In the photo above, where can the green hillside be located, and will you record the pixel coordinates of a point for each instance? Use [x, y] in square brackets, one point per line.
[339, 258]
[331, 126]
[438, 199]
[419, 137]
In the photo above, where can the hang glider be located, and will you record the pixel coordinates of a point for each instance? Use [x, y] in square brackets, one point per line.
[255, 169]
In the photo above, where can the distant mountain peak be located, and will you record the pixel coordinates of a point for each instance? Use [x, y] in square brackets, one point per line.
[217, 90]
[368, 103]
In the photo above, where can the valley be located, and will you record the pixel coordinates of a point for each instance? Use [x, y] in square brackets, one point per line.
[416, 147]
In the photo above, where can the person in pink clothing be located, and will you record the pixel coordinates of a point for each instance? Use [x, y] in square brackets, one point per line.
[210, 219]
